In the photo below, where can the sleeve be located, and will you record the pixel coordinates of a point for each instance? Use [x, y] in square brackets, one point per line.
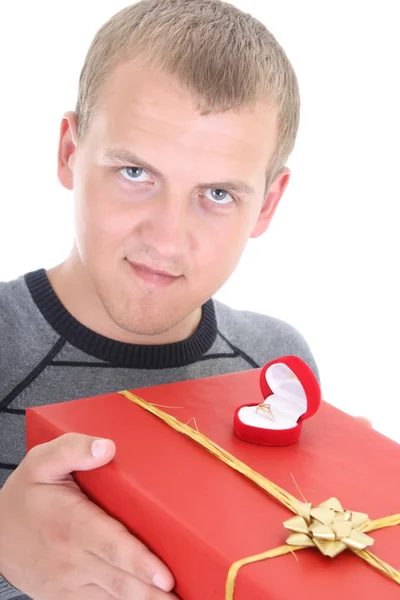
[7, 591]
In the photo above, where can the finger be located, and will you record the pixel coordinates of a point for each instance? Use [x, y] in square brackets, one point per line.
[54, 460]
[95, 592]
[92, 592]
[364, 421]
[123, 585]
[119, 548]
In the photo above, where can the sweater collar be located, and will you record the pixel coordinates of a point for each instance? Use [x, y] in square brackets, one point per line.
[121, 354]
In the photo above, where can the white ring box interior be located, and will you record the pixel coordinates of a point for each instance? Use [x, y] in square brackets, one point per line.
[288, 401]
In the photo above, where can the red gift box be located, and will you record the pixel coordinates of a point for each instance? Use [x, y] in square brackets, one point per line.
[200, 516]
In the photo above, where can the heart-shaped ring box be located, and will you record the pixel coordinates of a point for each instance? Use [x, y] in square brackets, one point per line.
[291, 395]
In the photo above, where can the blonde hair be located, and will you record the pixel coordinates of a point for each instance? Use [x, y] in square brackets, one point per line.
[226, 58]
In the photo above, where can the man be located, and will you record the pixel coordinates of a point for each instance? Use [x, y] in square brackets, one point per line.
[187, 113]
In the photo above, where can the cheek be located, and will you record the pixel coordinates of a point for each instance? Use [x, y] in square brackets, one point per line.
[99, 222]
[220, 248]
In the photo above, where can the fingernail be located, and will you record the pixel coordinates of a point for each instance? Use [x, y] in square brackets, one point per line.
[99, 448]
[159, 581]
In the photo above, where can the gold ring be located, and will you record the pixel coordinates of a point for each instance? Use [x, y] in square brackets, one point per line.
[265, 408]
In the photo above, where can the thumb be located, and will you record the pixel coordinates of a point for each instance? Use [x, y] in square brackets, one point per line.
[55, 460]
[364, 421]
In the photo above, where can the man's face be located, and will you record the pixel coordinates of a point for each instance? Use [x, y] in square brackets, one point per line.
[166, 199]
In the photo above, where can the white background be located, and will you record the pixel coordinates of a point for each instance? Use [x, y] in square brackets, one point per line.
[329, 263]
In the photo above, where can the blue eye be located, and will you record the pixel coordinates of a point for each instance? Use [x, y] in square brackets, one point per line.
[135, 174]
[218, 196]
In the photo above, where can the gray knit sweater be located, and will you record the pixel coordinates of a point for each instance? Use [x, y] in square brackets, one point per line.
[47, 356]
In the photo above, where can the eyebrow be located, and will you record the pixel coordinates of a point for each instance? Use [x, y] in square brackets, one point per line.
[127, 157]
[234, 185]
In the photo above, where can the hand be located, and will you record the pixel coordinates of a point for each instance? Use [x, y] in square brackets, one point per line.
[364, 421]
[55, 543]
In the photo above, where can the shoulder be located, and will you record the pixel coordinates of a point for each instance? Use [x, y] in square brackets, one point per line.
[261, 337]
[25, 336]
[12, 295]
[16, 304]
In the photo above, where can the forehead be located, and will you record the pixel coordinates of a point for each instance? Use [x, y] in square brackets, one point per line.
[148, 111]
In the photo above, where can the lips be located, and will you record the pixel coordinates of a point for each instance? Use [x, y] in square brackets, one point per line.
[153, 271]
[153, 276]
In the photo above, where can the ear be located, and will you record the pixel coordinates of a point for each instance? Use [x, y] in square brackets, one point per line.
[274, 194]
[66, 150]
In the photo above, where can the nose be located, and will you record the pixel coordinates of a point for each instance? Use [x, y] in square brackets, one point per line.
[166, 226]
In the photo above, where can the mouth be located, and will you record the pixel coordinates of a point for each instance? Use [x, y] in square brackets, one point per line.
[153, 276]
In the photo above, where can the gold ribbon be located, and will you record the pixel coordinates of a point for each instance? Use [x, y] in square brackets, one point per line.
[327, 527]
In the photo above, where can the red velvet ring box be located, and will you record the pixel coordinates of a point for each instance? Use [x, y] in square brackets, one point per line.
[291, 395]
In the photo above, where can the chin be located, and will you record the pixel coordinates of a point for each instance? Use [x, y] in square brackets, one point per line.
[145, 322]
[146, 329]
[147, 314]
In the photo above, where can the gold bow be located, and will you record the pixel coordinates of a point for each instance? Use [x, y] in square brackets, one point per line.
[328, 526]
